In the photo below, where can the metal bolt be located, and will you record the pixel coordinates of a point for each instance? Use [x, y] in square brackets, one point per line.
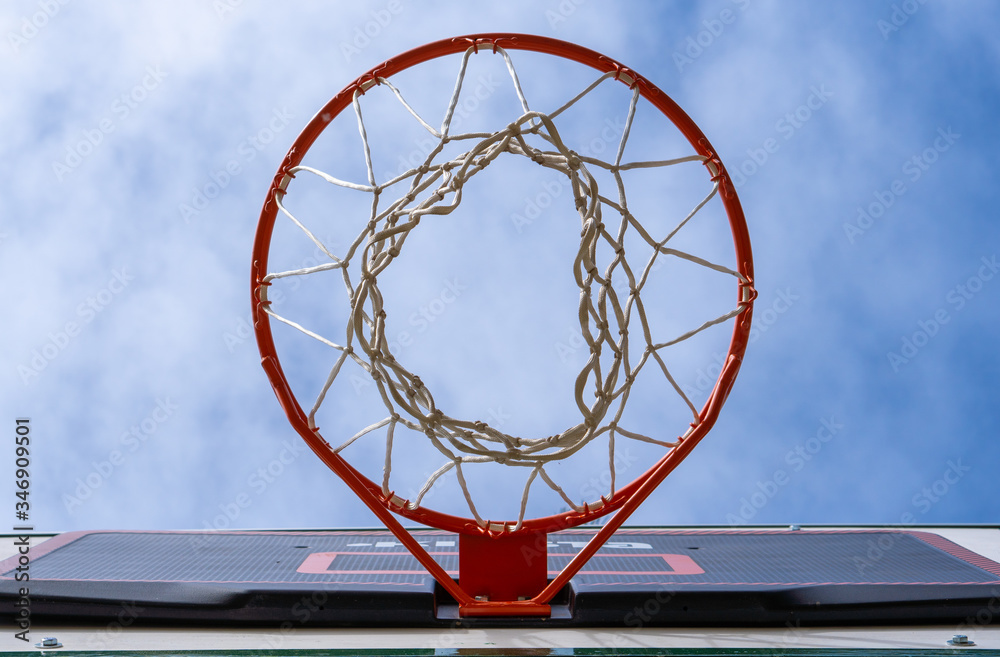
[49, 642]
[961, 640]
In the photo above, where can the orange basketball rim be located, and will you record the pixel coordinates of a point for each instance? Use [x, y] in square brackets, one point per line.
[503, 564]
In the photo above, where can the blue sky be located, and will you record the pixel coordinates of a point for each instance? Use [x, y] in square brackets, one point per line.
[862, 136]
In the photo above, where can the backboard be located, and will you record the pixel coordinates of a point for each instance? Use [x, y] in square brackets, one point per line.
[649, 587]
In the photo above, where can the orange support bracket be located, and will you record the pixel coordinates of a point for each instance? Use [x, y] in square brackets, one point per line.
[504, 568]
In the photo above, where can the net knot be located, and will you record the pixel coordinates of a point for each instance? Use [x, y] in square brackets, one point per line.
[502, 460]
[623, 73]
[476, 42]
[367, 81]
[394, 251]
[714, 165]
[749, 292]
[281, 178]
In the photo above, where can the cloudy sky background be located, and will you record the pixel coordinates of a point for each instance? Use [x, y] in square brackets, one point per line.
[126, 311]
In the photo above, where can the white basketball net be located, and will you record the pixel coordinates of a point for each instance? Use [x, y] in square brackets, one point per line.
[605, 315]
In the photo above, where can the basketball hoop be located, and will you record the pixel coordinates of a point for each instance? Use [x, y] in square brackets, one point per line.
[502, 562]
